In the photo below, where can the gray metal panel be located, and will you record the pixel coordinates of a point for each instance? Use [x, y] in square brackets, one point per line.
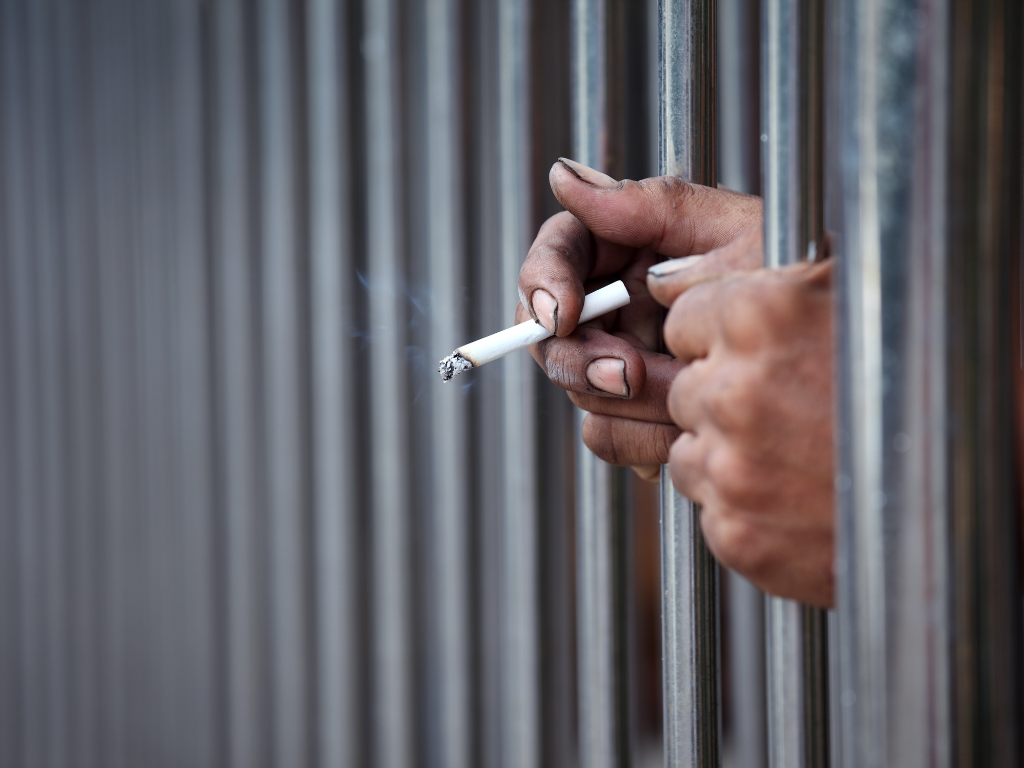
[689, 572]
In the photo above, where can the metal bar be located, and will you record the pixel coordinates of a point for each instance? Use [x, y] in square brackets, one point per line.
[236, 336]
[116, 198]
[11, 199]
[792, 119]
[689, 572]
[602, 530]
[199, 731]
[738, 89]
[24, 384]
[154, 544]
[332, 269]
[49, 558]
[282, 342]
[928, 546]
[393, 737]
[520, 632]
[449, 566]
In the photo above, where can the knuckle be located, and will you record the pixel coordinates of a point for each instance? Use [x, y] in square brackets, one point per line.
[736, 541]
[599, 437]
[732, 398]
[680, 393]
[734, 479]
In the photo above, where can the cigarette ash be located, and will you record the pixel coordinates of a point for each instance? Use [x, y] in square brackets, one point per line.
[453, 365]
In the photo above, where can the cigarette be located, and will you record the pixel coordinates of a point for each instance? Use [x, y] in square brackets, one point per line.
[522, 335]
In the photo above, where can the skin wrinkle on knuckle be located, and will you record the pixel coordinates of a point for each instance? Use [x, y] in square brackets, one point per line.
[680, 194]
[735, 480]
[732, 398]
[740, 544]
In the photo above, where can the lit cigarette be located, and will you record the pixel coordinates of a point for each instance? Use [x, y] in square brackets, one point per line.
[499, 344]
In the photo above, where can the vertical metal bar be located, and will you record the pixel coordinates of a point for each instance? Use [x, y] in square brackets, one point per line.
[929, 593]
[392, 660]
[283, 394]
[199, 733]
[792, 114]
[153, 539]
[10, 508]
[236, 337]
[738, 89]
[602, 535]
[116, 201]
[487, 393]
[450, 660]
[332, 269]
[49, 555]
[689, 572]
[83, 384]
[9, 651]
[875, 199]
[21, 274]
[520, 705]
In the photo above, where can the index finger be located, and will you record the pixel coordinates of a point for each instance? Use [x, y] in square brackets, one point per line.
[692, 325]
[562, 257]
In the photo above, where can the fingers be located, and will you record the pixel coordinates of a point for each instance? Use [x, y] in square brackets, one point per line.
[666, 214]
[686, 465]
[647, 404]
[650, 473]
[551, 278]
[684, 402]
[594, 362]
[666, 280]
[625, 442]
[693, 325]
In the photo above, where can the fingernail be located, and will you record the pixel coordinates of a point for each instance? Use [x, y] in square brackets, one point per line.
[545, 309]
[671, 266]
[609, 375]
[588, 175]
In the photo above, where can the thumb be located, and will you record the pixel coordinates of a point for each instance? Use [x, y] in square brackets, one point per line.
[672, 217]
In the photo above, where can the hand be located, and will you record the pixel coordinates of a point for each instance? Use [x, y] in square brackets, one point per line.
[614, 230]
[754, 403]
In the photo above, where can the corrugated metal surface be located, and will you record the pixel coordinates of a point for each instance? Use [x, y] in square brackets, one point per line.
[244, 523]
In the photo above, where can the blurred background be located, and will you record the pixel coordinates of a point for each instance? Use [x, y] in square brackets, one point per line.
[242, 522]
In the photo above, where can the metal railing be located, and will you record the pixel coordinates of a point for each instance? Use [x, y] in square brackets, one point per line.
[243, 524]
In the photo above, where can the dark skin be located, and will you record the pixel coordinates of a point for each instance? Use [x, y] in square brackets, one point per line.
[741, 408]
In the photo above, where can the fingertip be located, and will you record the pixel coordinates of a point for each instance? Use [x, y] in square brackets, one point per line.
[544, 308]
[650, 473]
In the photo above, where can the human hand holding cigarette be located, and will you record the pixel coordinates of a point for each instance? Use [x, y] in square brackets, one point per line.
[613, 366]
[522, 335]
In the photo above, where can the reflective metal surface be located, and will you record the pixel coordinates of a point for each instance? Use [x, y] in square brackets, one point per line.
[602, 513]
[738, 90]
[928, 559]
[793, 138]
[689, 573]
